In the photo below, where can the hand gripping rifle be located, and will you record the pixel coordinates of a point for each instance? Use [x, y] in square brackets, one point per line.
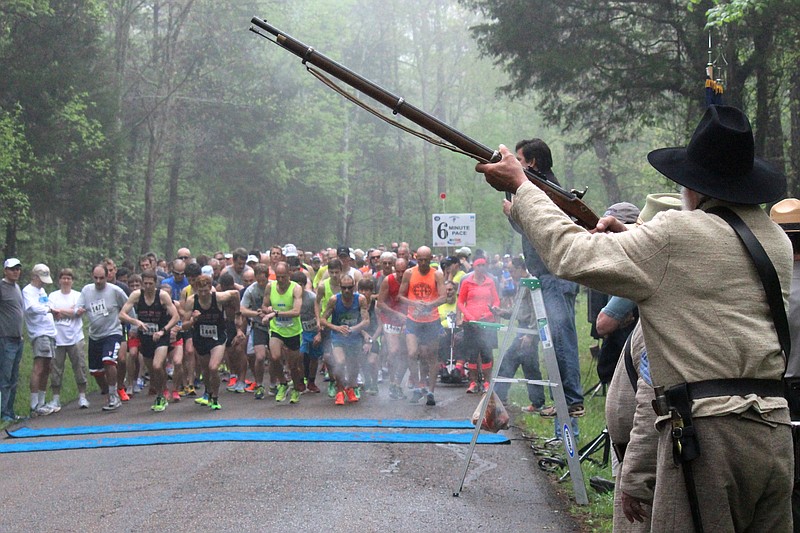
[569, 201]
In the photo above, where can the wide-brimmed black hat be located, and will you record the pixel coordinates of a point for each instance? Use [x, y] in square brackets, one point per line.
[720, 161]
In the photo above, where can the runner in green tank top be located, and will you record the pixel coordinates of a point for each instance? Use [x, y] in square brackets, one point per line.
[325, 289]
[283, 300]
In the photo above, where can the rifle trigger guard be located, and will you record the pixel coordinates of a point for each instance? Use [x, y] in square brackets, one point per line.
[400, 101]
[307, 55]
[579, 194]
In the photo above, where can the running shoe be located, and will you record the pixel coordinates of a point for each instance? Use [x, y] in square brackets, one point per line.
[380, 376]
[339, 398]
[83, 403]
[351, 395]
[113, 403]
[160, 405]
[251, 387]
[123, 395]
[294, 397]
[358, 392]
[42, 410]
[396, 392]
[416, 396]
[175, 396]
[55, 405]
[232, 382]
[430, 399]
[203, 400]
[473, 388]
[214, 405]
[283, 388]
[139, 385]
[272, 390]
[331, 389]
[259, 394]
[485, 387]
[312, 387]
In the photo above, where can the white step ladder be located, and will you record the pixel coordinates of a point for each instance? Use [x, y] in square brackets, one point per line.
[532, 287]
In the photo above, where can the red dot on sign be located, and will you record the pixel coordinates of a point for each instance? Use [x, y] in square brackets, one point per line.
[443, 196]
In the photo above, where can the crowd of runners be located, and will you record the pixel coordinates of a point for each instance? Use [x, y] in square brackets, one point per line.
[276, 325]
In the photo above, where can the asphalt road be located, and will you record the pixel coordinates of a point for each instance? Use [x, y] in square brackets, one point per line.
[277, 486]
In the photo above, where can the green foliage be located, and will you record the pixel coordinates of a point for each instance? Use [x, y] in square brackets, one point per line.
[16, 161]
[729, 12]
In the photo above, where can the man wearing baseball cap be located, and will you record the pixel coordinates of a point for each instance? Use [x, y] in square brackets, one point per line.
[725, 460]
[42, 333]
[11, 319]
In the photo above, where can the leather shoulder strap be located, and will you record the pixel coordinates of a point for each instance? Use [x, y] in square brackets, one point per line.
[633, 376]
[766, 271]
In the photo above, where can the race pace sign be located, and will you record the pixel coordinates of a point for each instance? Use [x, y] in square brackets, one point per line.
[454, 229]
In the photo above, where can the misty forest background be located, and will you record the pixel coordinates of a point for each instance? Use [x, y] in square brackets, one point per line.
[135, 125]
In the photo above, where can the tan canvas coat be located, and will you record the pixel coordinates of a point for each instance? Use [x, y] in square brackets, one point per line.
[702, 306]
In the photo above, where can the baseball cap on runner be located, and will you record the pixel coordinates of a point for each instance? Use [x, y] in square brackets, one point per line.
[290, 250]
[42, 271]
[11, 262]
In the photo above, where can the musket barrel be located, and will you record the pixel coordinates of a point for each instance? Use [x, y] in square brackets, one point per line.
[566, 200]
[397, 104]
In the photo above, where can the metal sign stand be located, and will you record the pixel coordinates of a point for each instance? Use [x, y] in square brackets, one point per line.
[532, 287]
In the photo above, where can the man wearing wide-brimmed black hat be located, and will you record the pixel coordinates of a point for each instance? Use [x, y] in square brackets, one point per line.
[705, 316]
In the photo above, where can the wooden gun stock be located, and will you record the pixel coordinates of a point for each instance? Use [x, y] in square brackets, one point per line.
[567, 201]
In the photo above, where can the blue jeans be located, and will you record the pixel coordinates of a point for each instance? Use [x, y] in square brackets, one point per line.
[10, 356]
[559, 302]
[526, 357]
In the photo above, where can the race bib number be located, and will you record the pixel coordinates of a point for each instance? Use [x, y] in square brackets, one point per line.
[149, 328]
[309, 325]
[98, 307]
[396, 330]
[283, 322]
[64, 321]
[208, 331]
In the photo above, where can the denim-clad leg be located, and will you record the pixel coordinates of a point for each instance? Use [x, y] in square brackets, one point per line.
[530, 369]
[528, 358]
[10, 356]
[559, 302]
[507, 369]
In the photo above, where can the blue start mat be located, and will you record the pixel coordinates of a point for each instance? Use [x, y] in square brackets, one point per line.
[22, 433]
[244, 436]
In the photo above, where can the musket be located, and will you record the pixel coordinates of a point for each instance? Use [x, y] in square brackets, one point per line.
[569, 201]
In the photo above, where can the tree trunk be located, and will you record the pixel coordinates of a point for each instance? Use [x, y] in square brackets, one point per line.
[608, 177]
[794, 146]
[172, 214]
[10, 247]
[762, 49]
[258, 232]
[344, 176]
[149, 178]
